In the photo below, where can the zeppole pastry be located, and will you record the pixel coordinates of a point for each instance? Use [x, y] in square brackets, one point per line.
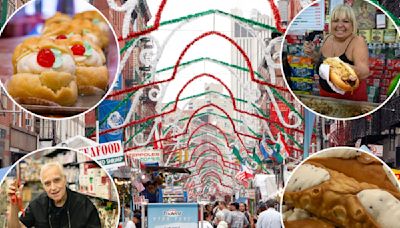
[342, 75]
[89, 31]
[96, 19]
[44, 73]
[91, 72]
[57, 19]
[342, 188]
[85, 28]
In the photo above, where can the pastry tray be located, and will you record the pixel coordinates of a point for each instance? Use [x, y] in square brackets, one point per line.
[338, 108]
[83, 104]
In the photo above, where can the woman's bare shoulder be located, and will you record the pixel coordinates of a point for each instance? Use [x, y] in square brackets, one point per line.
[359, 41]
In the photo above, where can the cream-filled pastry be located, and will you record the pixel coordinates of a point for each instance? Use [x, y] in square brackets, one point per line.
[44, 73]
[91, 72]
[96, 19]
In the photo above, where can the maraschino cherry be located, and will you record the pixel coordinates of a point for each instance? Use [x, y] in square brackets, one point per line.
[45, 58]
[78, 49]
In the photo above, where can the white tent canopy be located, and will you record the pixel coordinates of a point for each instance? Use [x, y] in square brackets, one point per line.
[77, 142]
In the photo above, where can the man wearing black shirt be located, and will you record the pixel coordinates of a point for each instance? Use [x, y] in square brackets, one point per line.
[57, 207]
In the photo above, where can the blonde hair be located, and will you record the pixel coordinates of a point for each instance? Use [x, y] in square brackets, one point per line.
[347, 12]
[49, 165]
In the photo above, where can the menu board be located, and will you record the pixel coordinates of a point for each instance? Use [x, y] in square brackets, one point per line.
[312, 18]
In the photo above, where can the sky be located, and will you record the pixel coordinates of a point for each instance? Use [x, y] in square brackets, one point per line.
[212, 46]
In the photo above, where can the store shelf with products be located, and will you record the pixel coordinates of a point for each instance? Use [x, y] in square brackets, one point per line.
[384, 60]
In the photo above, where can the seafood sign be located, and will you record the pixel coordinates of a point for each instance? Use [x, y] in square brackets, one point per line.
[110, 155]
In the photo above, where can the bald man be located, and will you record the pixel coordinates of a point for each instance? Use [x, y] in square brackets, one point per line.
[57, 207]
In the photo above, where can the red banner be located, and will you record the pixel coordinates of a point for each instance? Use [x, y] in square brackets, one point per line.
[284, 110]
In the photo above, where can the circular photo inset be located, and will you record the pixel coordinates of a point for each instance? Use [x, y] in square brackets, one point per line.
[58, 187]
[58, 60]
[341, 187]
[341, 60]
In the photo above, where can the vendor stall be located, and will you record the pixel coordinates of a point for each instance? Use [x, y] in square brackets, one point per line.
[304, 74]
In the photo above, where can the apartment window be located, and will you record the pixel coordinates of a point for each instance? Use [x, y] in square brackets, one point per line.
[3, 133]
[28, 122]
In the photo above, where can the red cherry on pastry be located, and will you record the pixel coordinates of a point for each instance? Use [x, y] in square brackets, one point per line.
[78, 49]
[45, 58]
[61, 37]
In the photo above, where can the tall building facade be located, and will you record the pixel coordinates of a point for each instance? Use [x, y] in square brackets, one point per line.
[254, 50]
[133, 71]
[17, 132]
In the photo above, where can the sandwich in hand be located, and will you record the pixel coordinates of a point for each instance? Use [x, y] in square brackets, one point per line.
[342, 75]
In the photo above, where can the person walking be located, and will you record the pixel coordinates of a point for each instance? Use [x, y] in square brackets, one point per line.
[269, 218]
[243, 208]
[239, 220]
[220, 220]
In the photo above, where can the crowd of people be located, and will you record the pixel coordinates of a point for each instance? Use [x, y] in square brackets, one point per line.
[237, 215]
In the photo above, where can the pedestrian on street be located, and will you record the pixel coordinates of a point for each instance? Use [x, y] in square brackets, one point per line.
[239, 220]
[269, 218]
[243, 208]
[206, 223]
[227, 214]
[220, 220]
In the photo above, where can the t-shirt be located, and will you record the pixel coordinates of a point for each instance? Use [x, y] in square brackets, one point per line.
[269, 219]
[77, 212]
[227, 216]
[206, 224]
[238, 219]
[130, 224]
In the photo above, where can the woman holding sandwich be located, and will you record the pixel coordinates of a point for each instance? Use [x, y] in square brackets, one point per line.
[352, 49]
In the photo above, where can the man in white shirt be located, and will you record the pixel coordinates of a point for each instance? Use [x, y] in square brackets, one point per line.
[269, 218]
[206, 223]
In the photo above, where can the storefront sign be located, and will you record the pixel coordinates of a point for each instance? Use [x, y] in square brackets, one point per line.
[376, 150]
[177, 215]
[251, 193]
[146, 156]
[110, 155]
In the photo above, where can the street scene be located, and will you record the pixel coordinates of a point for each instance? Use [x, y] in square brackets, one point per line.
[200, 128]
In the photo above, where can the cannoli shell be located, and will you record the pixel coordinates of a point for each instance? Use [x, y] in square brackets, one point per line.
[363, 168]
[335, 200]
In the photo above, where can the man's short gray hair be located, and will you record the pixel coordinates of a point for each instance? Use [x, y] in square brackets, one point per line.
[51, 165]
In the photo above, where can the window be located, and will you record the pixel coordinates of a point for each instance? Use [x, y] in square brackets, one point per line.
[3, 133]
[28, 122]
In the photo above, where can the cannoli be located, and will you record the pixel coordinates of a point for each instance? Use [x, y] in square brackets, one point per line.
[363, 168]
[330, 195]
[308, 223]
